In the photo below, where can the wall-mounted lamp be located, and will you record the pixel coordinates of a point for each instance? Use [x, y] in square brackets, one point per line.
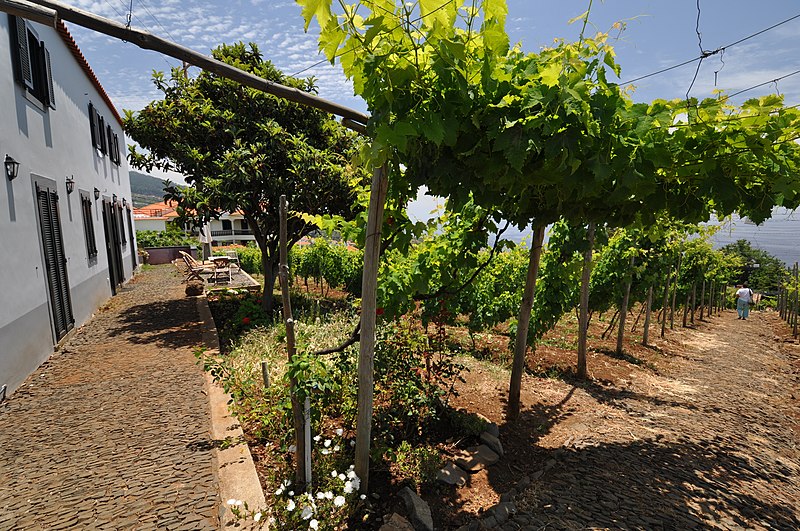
[70, 185]
[124, 202]
[96, 194]
[12, 167]
[114, 199]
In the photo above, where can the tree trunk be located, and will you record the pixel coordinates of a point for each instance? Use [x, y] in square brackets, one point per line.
[369, 290]
[703, 299]
[623, 310]
[647, 310]
[270, 267]
[523, 322]
[674, 293]
[664, 304]
[583, 317]
[686, 310]
[297, 411]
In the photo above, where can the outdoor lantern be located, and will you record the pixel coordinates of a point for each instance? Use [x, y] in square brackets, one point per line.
[114, 199]
[124, 202]
[12, 167]
[70, 185]
[96, 194]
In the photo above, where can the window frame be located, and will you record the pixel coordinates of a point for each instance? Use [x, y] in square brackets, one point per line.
[87, 212]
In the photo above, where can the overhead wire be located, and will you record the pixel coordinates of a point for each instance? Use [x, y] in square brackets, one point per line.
[706, 54]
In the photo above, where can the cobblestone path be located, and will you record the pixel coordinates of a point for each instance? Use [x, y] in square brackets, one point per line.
[113, 431]
[710, 442]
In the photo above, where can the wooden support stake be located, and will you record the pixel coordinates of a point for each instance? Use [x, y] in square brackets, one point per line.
[369, 289]
[694, 300]
[664, 304]
[675, 293]
[703, 307]
[265, 373]
[623, 310]
[583, 317]
[297, 411]
[523, 322]
[647, 310]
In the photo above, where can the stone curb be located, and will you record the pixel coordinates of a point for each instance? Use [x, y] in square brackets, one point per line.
[235, 470]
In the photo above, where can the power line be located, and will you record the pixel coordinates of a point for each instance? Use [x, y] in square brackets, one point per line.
[706, 54]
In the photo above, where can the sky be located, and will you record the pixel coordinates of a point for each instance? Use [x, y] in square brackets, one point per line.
[656, 34]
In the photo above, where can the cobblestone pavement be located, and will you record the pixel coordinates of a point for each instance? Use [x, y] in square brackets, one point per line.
[712, 444]
[113, 431]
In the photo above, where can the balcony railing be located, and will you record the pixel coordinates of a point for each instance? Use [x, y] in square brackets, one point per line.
[236, 232]
[243, 232]
[221, 233]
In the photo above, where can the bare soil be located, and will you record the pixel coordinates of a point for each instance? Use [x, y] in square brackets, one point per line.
[699, 430]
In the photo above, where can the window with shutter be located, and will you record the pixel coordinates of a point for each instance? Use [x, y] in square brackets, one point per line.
[117, 155]
[88, 225]
[32, 69]
[110, 142]
[101, 133]
[93, 124]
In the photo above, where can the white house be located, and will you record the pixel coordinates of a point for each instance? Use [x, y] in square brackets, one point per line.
[66, 238]
[229, 229]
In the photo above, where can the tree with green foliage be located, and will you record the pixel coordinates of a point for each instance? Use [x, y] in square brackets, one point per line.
[240, 149]
[761, 270]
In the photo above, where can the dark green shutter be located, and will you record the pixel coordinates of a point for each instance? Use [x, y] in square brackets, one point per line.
[55, 261]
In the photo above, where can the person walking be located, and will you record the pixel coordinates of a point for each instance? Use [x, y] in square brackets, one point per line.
[744, 296]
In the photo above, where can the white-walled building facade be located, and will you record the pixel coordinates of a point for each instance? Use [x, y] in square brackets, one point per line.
[66, 230]
[231, 228]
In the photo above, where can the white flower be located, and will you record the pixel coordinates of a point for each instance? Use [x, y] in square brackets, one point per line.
[292, 448]
[352, 443]
[278, 492]
[356, 483]
[320, 495]
[327, 443]
[286, 483]
[338, 501]
[291, 493]
[348, 487]
[351, 467]
[333, 473]
[328, 495]
[342, 477]
[290, 506]
[232, 501]
[352, 474]
[336, 448]
[339, 431]
[363, 497]
[325, 451]
[307, 512]
[313, 524]
[257, 517]
[317, 438]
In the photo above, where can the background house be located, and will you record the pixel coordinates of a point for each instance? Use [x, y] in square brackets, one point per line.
[229, 229]
[66, 230]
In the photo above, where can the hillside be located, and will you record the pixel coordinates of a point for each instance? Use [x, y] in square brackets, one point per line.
[146, 189]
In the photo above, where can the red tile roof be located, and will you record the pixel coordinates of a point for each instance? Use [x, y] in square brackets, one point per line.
[66, 36]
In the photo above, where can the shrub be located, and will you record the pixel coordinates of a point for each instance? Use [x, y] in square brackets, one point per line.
[171, 237]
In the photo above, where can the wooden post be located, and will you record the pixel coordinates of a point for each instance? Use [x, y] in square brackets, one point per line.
[796, 296]
[712, 299]
[352, 118]
[694, 300]
[647, 310]
[523, 322]
[265, 373]
[703, 307]
[369, 290]
[686, 309]
[623, 310]
[583, 317]
[675, 293]
[297, 411]
[664, 304]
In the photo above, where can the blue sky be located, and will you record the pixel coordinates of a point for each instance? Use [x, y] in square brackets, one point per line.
[658, 33]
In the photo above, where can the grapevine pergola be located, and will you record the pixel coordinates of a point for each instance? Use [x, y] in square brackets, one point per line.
[533, 137]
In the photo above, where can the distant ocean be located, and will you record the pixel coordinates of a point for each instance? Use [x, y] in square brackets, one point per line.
[779, 235]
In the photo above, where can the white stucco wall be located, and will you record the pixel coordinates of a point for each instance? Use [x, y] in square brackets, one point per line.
[51, 145]
[158, 225]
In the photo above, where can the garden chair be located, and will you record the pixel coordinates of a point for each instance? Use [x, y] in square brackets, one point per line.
[194, 268]
[222, 269]
[233, 258]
